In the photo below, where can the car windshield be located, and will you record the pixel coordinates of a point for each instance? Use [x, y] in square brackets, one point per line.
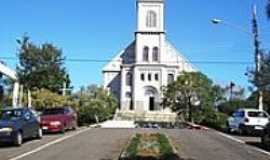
[53, 111]
[257, 114]
[10, 114]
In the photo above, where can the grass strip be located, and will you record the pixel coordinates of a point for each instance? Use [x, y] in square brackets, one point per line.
[133, 146]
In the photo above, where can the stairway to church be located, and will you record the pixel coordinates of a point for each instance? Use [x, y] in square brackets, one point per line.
[118, 124]
[145, 116]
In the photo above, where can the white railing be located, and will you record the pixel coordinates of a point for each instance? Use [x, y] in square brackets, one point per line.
[13, 75]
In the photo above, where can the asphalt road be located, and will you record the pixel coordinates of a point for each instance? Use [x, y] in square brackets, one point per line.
[106, 144]
[254, 141]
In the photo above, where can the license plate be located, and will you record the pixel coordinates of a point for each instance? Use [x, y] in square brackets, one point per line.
[45, 128]
[258, 128]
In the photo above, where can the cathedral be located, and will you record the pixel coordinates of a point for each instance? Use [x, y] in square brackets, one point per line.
[137, 74]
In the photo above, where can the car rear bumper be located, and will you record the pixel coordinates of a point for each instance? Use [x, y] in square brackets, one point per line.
[51, 129]
[253, 128]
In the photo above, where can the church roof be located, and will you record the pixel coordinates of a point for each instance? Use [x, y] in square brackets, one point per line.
[127, 56]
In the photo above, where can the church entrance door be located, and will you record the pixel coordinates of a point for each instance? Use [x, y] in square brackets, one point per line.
[152, 103]
[150, 98]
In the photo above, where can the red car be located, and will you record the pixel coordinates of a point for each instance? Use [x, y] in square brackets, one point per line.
[58, 119]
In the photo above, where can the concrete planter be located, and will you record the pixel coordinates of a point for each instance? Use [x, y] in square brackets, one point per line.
[149, 147]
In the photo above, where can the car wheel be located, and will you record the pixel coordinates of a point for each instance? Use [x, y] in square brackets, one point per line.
[265, 141]
[228, 130]
[241, 130]
[39, 133]
[18, 139]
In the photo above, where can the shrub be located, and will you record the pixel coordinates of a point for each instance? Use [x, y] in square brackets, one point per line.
[94, 112]
[215, 119]
[94, 105]
[43, 98]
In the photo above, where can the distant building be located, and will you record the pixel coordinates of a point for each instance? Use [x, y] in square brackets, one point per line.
[137, 73]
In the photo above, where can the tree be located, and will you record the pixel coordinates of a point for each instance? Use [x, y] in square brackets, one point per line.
[95, 104]
[43, 99]
[191, 94]
[41, 67]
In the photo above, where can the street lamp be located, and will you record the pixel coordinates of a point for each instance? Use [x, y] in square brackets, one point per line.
[231, 25]
[216, 21]
[255, 35]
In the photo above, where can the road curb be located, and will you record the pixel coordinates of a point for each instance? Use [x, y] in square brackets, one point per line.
[197, 127]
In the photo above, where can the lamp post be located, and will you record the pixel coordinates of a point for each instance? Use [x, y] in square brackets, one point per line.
[232, 85]
[255, 35]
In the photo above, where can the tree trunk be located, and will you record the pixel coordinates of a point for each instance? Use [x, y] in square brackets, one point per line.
[29, 99]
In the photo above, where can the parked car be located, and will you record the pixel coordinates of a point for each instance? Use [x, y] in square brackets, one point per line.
[247, 121]
[58, 119]
[18, 124]
[265, 137]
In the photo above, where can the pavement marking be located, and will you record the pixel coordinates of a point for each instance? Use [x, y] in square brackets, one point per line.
[261, 150]
[49, 144]
[243, 142]
[231, 138]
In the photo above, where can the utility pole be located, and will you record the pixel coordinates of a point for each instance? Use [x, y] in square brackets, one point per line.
[258, 56]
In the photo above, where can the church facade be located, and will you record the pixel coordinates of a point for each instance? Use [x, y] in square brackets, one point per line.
[137, 74]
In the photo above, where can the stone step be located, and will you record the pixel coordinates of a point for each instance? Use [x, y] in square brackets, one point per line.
[118, 124]
[147, 116]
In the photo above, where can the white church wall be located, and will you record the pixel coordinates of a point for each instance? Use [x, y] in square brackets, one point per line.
[139, 86]
[112, 82]
[126, 89]
[151, 41]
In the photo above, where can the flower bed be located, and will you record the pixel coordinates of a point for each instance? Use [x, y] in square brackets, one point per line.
[149, 147]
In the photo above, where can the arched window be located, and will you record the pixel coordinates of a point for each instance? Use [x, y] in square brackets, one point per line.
[129, 79]
[155, 54]
[142, 77]
[151, 19]
[149, 77]
[145, 54]
[156, 77]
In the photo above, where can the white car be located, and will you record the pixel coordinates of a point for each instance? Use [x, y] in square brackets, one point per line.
[247, 121]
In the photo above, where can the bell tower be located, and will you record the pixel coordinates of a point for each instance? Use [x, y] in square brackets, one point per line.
[150, 15]
[150, 34]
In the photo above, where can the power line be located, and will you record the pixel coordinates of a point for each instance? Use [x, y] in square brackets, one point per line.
[171, 62]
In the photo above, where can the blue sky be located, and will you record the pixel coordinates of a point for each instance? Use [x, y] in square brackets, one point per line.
[95, 29]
